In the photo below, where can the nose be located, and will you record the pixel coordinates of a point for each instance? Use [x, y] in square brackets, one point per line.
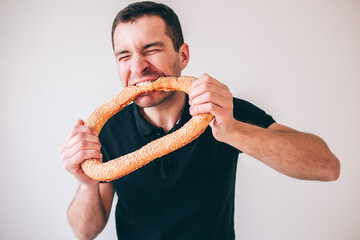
[138, 64]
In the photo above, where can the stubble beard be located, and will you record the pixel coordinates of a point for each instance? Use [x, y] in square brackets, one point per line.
[145, 103]
[159, 97]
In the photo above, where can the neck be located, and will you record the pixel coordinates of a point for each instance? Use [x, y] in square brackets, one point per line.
[166, 114]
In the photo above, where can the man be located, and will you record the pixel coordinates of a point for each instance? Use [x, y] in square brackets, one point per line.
[187, 194]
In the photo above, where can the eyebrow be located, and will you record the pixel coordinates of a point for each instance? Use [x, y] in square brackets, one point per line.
[154, 44]
[117, 53]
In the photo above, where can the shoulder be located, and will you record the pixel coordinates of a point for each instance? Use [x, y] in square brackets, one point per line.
[240, 102]
[247, 112]
[244, 107]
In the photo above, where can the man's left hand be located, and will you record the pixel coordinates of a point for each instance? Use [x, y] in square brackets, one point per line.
[208, 95]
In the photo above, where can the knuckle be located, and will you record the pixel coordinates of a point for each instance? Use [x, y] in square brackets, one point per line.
[62, 159]
[67, 165]
[210, 95]
[75, 129]
[206, 87]
[82, 154]
[63, 155]
[83, 145]
[88, 130]
[81, 135]
[205, 76]
[73, 170]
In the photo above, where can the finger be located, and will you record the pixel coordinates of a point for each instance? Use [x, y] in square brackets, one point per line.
[80, 122]
[87, 154]
[209, 97]
[205, 78]
[79, 138]
[75, 161]
[215, 110]
[205, 88]
[207, 83]
[81, 146]
[81, 128]
[208, 87]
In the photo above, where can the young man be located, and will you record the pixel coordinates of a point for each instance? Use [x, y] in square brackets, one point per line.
[187, 194]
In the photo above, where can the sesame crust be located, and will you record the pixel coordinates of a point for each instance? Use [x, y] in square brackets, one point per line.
[126, 164]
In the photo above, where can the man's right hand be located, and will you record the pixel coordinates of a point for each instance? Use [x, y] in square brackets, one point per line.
[81, 144]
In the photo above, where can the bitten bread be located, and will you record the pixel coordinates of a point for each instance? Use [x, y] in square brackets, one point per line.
[126, 164]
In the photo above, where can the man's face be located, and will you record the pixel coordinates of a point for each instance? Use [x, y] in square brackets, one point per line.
[144, 53]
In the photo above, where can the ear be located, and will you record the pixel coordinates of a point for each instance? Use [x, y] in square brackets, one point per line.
[184, 55]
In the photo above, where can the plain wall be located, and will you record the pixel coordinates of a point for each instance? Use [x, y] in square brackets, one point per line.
[298, 60]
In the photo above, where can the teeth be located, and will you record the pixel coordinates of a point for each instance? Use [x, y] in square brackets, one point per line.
[143, 83]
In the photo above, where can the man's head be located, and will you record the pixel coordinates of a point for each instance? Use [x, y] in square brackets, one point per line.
[146, 47]
[140, 9]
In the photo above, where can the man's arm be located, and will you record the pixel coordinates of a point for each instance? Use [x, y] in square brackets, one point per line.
[89, 211]
[296, 154]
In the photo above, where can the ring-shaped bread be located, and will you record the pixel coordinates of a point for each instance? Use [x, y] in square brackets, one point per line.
[126, 164]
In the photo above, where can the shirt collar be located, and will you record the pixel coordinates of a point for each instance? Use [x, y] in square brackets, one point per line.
[145, 128]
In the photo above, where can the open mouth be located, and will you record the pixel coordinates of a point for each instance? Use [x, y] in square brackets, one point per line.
[143, 83]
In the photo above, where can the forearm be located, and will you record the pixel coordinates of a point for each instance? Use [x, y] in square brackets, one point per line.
[293, 153]
[86, 214]
[296, 154]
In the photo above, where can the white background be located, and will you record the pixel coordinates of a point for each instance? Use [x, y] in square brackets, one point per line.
[299, 60]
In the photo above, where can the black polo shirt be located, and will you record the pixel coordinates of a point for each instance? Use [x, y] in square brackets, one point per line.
[187, 194]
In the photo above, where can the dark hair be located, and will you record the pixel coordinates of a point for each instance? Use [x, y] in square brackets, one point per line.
[147, 8]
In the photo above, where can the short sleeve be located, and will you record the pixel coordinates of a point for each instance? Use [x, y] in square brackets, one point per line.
[247, 112]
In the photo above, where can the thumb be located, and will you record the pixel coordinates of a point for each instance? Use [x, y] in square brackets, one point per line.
[80, 122]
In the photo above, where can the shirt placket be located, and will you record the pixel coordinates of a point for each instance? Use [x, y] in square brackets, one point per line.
[166, 163]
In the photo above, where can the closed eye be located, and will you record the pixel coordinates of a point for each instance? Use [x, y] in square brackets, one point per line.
[152, 48]
[123, 58]
[152, 51]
